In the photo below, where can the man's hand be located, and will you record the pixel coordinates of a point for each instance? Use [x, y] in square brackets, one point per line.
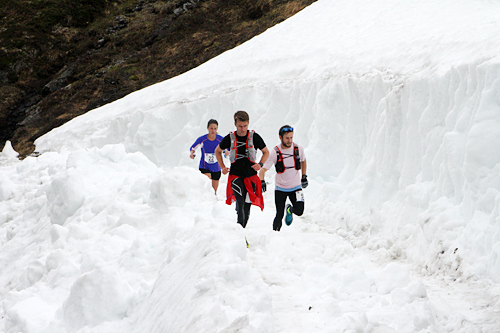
[218, 156]
[256, 166]
[264, 186]
[304, 181]
[192, 155]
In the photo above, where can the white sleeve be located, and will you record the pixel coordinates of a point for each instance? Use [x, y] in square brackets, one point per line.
[271, 160]
[302, 153]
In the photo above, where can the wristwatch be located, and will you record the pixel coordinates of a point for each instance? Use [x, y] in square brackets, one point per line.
[261, 165]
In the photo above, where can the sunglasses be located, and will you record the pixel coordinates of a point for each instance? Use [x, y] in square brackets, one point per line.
[286, 129]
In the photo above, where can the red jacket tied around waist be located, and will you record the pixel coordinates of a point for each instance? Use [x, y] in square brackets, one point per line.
[255, 196]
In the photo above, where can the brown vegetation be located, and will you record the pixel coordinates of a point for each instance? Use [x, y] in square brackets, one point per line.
[62, 58]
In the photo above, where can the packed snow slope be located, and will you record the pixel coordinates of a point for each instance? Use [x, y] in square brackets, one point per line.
[112, 228]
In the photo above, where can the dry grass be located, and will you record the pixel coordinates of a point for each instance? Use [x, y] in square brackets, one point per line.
[292, 8]
[154, 45]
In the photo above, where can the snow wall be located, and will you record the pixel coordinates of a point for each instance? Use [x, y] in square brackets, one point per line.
[414, 154]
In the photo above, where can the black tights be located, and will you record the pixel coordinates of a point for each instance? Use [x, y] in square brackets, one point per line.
[280, 200]
[240, 194]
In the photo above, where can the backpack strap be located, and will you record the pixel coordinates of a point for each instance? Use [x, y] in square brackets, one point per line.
[251, 152]
[233, 149]
[296, 156]
[280, 163]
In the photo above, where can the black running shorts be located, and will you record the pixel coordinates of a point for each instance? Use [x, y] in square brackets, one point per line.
[213, 175]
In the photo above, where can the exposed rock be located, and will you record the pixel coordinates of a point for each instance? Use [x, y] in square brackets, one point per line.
[62, 79]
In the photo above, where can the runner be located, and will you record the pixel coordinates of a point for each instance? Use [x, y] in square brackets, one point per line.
[208, 163]
[289, 160]
[243, 185]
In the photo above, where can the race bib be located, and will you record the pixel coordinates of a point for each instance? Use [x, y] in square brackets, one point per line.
[210, 158]
[299, 196]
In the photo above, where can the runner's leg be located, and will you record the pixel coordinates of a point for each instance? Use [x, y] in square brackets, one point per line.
[239, 194]
[297, 200]
[279, 202]
[206, 172]
[215, 176]
[248, 205]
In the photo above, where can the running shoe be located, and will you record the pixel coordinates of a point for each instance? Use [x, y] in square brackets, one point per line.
[289, 216]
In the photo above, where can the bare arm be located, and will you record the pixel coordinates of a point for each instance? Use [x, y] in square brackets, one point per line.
[218, 155]
[262, 173]
[265, 155]
[303, 167]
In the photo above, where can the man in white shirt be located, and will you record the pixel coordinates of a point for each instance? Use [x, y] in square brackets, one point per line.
[289, 160]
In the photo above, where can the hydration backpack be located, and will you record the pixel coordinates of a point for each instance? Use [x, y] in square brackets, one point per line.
[280, 163]
[250, 151]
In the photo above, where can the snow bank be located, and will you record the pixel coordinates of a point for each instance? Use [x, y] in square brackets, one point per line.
[206, 282]
[77, 238]
[95, 297]
[8, 152]
[406, 149]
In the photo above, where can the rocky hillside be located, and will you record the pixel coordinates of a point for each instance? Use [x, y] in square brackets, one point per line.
[62, 58]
